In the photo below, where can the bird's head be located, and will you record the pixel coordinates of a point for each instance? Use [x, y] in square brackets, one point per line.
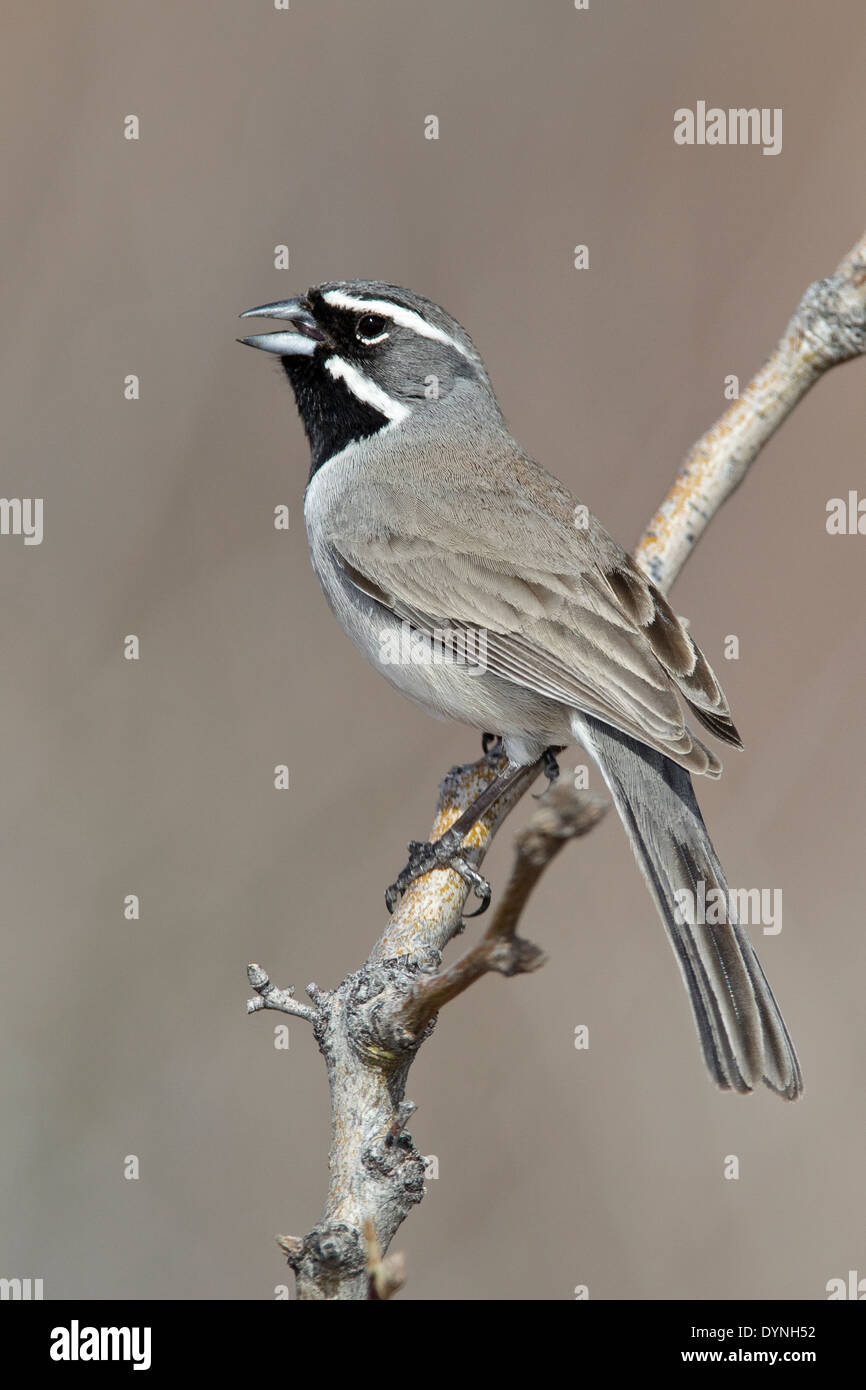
[363, 356]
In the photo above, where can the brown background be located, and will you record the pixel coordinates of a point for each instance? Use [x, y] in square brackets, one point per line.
[257, 127]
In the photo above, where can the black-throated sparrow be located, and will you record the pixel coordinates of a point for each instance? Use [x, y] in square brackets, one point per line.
[428, 523]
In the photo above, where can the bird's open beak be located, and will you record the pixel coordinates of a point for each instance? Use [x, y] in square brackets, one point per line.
[303, 343]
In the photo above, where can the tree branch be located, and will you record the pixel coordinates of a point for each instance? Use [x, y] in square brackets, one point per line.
[370, 1026]
[563, 815]
[828, 327]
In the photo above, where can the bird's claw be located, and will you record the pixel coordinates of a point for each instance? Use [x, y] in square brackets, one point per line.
[477, 885]
[550, 770]
[426, 855]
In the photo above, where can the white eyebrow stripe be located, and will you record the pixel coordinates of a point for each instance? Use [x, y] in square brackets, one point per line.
[366, 390]
[407, 318]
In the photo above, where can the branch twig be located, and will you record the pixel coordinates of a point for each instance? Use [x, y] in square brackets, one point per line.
[563, 815]
[386, 1273]
[270, 997]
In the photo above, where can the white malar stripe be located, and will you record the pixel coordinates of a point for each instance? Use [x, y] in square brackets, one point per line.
[407, 318]
[366, 390]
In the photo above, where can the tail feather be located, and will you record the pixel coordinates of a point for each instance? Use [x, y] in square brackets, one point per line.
[742, 1032]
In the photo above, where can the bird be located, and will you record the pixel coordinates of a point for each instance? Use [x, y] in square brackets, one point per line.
[429, 526]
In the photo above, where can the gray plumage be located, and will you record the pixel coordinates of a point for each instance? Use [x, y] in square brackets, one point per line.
[742, 1032]
[423, 514]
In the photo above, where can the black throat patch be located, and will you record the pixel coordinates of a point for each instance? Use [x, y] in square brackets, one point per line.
[332, 415]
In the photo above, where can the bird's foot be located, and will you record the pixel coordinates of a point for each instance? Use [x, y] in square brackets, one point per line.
[551, 766]
[492, 745]
[444, 853]
[550, 770]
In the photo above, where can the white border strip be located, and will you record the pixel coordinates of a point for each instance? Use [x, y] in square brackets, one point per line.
[366, 390]
[407, 318]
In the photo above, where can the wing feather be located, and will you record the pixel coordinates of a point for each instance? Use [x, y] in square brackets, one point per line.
[565, 612]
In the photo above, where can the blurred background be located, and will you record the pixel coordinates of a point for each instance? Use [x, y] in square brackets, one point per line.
[154, 777]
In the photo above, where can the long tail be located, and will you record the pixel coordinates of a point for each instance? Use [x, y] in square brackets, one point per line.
[742, 1032]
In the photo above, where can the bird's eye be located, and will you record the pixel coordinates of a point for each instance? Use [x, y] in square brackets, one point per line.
[371, 328]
